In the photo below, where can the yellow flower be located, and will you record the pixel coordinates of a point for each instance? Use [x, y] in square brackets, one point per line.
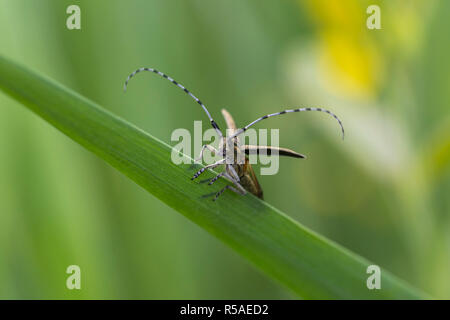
[349, 58]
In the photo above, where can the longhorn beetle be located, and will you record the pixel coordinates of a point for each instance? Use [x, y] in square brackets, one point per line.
[240, 173]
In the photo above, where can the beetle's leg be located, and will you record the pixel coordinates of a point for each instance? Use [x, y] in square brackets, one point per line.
[210, 166]
[239, 189]
[225, 188]
[234, 176]
[224, 173]
[237, 184]
[206, 146]
[216, 178]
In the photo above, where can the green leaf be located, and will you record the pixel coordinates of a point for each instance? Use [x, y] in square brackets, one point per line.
[307, 263]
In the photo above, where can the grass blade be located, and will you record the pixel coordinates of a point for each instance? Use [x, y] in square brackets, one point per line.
[307, 263]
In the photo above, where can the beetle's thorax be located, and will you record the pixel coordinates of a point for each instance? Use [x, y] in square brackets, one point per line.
[234, 155]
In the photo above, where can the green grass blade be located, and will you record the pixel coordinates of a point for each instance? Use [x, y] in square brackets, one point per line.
[307, 263]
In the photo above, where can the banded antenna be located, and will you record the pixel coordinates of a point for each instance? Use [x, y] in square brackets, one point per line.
[238, 132]
[213, 123]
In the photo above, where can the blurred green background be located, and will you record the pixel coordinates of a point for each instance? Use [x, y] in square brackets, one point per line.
[384, 192]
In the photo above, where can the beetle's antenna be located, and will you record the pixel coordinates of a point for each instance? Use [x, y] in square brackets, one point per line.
[213, 123]
[238, 132]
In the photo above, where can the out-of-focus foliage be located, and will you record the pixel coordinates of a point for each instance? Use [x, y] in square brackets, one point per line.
[383, 192]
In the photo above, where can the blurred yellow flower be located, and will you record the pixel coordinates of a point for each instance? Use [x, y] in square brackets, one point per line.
[349, 58]
[353, 66]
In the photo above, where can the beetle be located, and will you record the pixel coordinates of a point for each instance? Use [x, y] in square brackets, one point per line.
[235, 156]
[243, 169]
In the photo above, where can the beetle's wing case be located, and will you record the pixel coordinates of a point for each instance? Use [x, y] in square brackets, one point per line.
[246, 174]
[249, 180]
[249, 149]
[230, 122]
[229, 119]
